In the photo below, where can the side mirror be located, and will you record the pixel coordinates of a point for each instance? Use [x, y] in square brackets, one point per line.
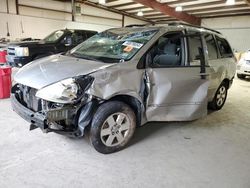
[68, 41]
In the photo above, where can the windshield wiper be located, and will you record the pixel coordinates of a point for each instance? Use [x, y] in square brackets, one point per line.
[77, 55]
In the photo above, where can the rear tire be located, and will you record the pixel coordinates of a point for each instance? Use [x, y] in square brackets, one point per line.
[112, 127]
[220, 97]
[241, 76]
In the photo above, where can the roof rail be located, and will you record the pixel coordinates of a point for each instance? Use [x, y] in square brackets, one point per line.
[195, 26]
[136, 25]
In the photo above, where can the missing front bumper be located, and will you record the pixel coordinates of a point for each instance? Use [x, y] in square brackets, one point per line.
[35, 118]
[40, 120]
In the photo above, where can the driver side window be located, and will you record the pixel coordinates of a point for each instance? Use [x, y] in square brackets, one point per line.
[168, 51]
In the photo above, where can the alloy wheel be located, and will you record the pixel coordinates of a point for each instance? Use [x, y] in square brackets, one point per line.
[115, 129]
[221, 96]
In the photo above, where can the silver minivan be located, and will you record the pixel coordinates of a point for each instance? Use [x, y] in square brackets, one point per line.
[124, 77]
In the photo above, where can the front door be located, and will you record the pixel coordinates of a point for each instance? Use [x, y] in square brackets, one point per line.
[176, 79]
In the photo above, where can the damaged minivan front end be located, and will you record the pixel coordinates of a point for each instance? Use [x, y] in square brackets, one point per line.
[63, 107]
[61, 93]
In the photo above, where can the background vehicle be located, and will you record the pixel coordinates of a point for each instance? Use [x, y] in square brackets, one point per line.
[123, 78]
[3, 43]
[21, 53]
[243, 67]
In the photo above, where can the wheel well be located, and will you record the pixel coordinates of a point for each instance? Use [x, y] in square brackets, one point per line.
[133, 103]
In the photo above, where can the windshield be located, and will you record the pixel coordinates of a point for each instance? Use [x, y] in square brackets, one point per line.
[53, 37]
[114, 45]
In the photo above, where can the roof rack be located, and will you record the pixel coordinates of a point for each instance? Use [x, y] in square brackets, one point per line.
[136, 25]
[173, 24]
[190, 25]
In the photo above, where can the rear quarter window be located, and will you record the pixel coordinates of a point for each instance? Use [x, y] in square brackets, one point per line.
[224, 47]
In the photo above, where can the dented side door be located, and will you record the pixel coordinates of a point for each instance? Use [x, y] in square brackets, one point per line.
[177, 93]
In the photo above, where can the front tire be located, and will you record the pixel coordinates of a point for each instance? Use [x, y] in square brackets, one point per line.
[112, 127]
[220, 97]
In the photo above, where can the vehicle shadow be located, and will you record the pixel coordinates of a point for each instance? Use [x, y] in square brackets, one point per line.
[210, 112]
[150, 129]
[245, 79]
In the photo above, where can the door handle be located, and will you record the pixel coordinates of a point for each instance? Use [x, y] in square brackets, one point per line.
[204, 74]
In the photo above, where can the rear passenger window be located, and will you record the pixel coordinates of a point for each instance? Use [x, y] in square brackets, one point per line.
[224, 47]
[195, 50]
[211, 47]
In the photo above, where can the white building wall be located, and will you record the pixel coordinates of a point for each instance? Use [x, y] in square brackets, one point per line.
[129, 21]
[38, 23]
[3, 6]
[236, 29]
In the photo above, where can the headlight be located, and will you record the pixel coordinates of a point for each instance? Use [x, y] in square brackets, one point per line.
[22, 51]
[64, 91]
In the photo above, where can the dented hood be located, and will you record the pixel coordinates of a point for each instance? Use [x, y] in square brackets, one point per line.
[48, 70]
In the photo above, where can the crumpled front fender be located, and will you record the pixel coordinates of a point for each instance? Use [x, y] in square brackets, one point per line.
[122, 79]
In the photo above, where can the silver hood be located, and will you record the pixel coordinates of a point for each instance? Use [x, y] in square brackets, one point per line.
[49, 70]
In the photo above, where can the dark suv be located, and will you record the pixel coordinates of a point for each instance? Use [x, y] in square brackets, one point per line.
[22, 53]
